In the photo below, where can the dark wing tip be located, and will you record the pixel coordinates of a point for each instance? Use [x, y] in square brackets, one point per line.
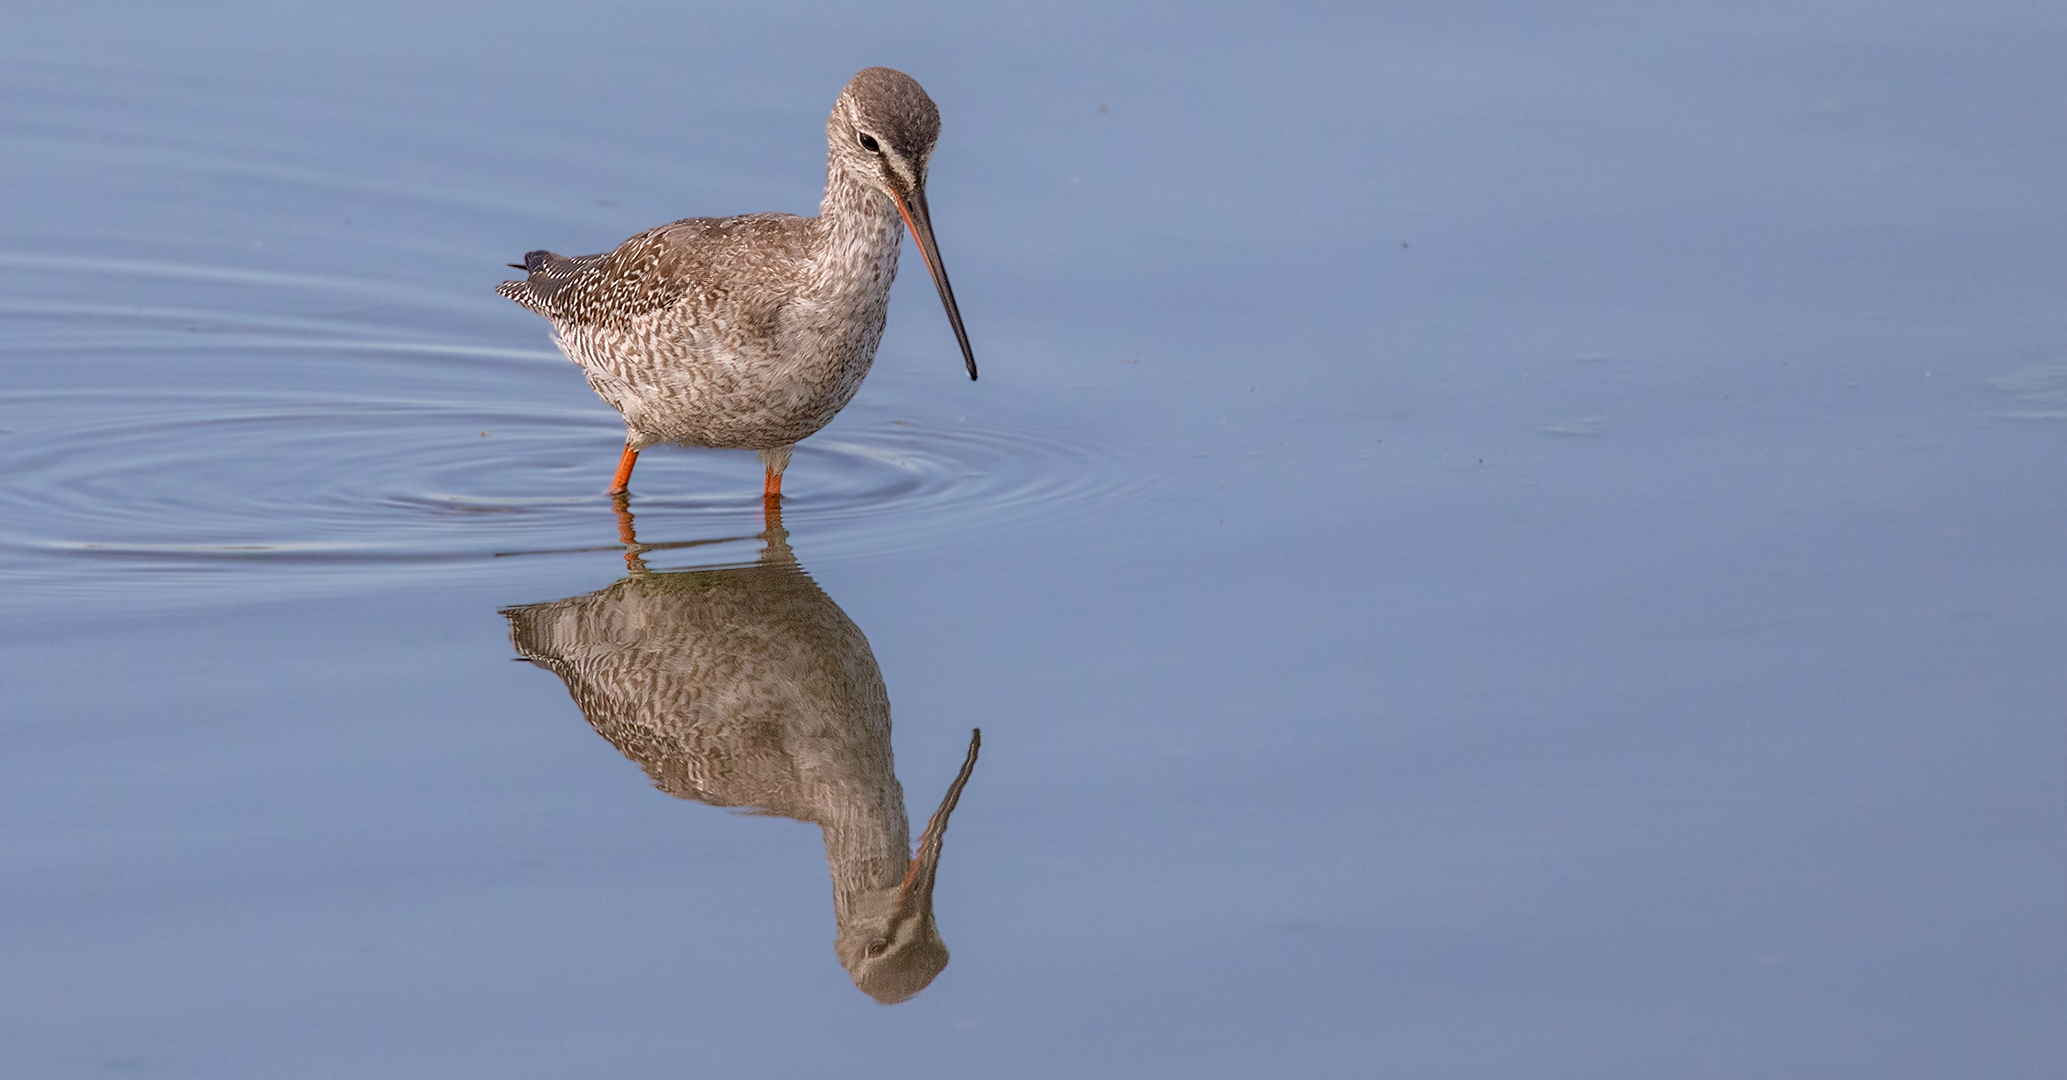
[540, 279]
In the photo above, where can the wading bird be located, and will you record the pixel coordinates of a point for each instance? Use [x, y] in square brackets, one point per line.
[753, 332]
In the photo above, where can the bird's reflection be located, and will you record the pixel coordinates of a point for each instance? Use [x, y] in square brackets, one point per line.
[750, 688]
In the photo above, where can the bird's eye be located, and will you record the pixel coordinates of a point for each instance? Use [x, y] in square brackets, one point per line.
[868, 143]
[878, 946]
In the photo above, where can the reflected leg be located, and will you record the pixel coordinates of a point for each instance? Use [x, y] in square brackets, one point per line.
[627, 534]
[623, 505]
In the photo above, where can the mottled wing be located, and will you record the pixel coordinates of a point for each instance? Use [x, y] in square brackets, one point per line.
[750, 264]
[550, 276]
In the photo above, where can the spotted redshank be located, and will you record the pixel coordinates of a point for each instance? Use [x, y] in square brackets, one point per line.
[753, 332]
[749, 687]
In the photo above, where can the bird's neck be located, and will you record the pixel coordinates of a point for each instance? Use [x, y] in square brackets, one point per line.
[867, 848]
[859, 234]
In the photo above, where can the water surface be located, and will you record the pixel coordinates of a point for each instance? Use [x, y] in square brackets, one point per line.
[1492, 541]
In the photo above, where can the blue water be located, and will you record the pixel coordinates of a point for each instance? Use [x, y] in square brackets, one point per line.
[1492, 541]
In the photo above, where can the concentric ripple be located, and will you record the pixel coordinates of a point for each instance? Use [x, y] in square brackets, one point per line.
[352, 428]
[163, 477]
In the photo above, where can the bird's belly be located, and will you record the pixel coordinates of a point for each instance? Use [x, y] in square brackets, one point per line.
[714, 393]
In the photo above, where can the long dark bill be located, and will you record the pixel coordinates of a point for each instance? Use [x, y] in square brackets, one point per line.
[920, 221]
[916, 894]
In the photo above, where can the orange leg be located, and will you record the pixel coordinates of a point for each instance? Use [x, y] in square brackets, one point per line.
[623, 481]
[771, 501]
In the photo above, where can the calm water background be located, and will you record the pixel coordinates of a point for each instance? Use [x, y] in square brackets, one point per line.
[1494, 540]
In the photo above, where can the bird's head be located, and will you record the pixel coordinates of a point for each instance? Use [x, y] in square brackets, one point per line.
[890, 945]
[882, 130]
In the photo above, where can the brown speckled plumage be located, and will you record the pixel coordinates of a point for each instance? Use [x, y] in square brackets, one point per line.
[754, 332]
[750, 688]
